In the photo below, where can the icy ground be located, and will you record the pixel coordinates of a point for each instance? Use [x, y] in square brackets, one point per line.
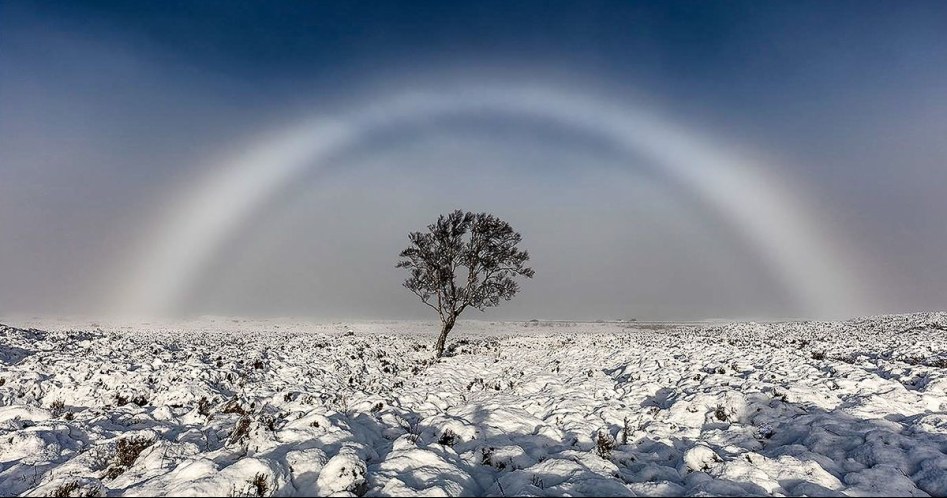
[229, 407]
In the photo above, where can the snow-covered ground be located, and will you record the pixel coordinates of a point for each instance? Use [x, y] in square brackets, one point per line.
[240, 407]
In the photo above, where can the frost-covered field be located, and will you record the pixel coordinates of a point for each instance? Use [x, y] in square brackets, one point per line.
[229, 407]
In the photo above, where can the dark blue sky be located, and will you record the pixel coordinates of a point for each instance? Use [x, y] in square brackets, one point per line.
[782, 64]
[724, 49]
[106, 107]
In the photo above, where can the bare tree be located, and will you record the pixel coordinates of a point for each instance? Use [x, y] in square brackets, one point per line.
[463, 260]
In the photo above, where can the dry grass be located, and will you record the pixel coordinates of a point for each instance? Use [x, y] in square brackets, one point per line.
[126, 452]
[234, 406]
[57, 408]
[604, 445]
[240, 431]
[66, 490]
[448, 438]
[258, 485]
[73, 488]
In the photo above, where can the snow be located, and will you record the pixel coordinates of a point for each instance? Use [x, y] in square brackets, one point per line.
[224, 407]
[700, 458]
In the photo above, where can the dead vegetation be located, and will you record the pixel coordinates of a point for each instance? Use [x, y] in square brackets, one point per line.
[240, 431]
[448, 438]
[127, 451]
[57, 408]
[258, 485]
[604, 444]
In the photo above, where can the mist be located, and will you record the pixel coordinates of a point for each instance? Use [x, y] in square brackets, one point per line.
[115, 122]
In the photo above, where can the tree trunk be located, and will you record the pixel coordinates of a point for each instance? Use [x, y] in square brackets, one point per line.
[442, 339]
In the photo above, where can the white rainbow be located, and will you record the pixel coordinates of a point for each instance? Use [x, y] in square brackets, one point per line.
[755, 201]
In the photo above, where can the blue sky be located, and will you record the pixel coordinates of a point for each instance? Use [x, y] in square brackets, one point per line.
[109, 110]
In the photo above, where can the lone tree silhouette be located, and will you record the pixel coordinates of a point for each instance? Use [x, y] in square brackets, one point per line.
[463, 260]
